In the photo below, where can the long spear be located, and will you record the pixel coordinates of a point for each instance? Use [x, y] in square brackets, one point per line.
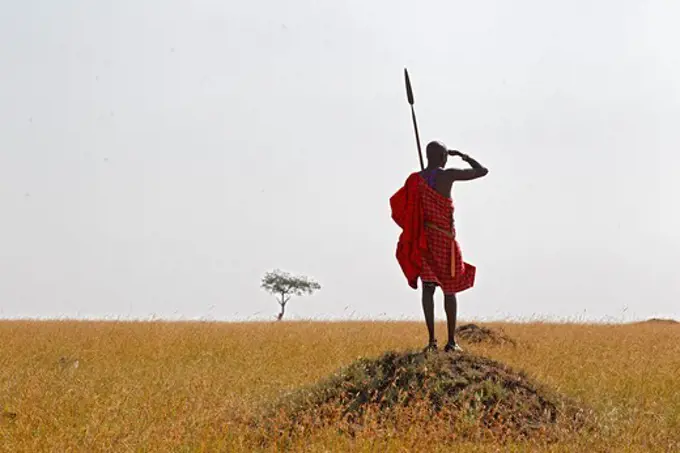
[409, 96]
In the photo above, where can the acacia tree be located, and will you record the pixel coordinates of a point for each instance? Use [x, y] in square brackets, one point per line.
[283, 286]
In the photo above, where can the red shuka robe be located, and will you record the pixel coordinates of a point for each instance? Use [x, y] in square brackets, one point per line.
[427, 248]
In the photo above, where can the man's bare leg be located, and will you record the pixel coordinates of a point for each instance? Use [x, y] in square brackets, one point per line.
[451, 307]
[428, 309]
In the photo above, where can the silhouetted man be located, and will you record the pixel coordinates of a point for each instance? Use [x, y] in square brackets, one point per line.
[427, 247]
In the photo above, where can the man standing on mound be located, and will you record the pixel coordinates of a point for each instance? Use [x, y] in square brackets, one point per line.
[427, 246]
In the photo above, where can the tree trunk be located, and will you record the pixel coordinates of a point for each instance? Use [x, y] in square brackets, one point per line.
[284, 300]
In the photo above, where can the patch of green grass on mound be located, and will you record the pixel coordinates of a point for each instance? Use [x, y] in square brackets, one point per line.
[455, 395]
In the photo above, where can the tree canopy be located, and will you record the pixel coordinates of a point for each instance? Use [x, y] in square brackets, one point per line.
[283, 286]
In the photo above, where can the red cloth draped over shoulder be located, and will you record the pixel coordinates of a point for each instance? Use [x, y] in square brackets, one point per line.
[407, 212]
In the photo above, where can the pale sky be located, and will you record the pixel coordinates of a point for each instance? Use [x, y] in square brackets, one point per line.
[158, 157]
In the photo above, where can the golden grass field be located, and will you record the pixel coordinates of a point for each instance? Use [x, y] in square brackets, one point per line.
[165, 387]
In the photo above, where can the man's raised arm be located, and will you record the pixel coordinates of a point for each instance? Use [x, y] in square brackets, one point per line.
[477, 170]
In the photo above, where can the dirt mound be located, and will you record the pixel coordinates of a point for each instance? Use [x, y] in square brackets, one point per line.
[472, 333]
[454, 396]
[661, 321]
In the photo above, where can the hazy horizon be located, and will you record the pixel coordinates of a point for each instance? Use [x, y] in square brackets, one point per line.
[156, 159]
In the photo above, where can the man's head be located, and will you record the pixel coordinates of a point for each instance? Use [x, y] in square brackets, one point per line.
[436, 154]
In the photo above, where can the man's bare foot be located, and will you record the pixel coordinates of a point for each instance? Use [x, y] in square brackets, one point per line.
[452, 347]
[431, 347]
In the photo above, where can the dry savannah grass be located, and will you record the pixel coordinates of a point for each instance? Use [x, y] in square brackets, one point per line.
[157, 386]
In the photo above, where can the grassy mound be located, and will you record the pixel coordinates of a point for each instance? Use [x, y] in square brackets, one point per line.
[472, 333]
[455, 396]
[661, 321]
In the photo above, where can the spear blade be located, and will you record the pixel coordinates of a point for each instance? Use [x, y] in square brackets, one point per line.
[409, 90]
[411, 101]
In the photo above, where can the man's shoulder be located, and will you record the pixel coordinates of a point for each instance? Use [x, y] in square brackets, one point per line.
[413, 176]
[413, 180]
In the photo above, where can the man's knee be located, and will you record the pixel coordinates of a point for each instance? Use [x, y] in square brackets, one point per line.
[429, 288]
